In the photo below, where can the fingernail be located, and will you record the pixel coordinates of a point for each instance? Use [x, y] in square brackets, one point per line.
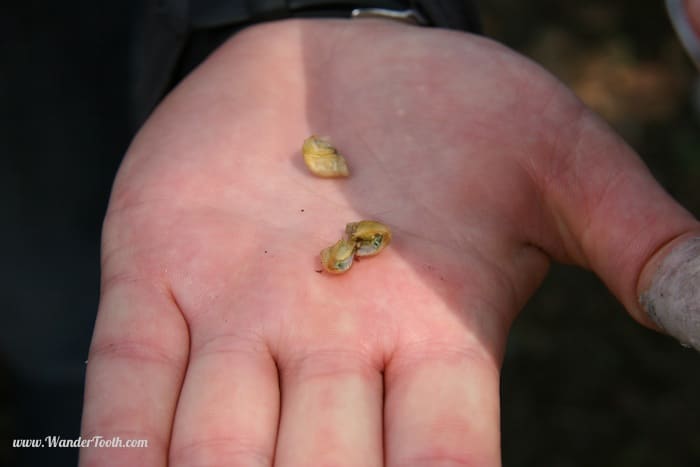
[672, 300]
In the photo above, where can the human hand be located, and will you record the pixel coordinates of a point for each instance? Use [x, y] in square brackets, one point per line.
[693, 7]
[685, 16]
[216, 339]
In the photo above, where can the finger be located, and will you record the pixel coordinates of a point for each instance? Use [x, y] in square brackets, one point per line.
[331, 410]
[693, 7]
[229, 405]
[135, 368]
[609, 212]
[670, 289]
[442, 406]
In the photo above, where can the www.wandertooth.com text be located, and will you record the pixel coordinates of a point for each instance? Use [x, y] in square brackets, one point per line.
[79, 442]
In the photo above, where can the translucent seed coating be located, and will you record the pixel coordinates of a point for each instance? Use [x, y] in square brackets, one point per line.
[323, 159]
[369, 237]
[337, 259]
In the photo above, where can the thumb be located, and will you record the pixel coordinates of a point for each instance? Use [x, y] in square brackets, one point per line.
[669, 289]
[614, 218]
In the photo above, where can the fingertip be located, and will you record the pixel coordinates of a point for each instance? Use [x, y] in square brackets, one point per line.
[693, 7]
[669, 289]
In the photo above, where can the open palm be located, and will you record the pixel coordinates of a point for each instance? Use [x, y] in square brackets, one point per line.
[218, 339]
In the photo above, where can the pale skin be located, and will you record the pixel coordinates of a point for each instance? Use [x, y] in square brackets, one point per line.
[216, 339]
[693, 9]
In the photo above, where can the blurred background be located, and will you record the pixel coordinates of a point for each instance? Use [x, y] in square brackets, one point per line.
[582, 383]
[63, 131]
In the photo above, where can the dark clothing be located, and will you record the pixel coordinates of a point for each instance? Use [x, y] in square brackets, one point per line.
[63, 127]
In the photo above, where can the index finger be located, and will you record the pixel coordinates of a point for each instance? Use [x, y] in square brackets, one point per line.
[135, 370]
